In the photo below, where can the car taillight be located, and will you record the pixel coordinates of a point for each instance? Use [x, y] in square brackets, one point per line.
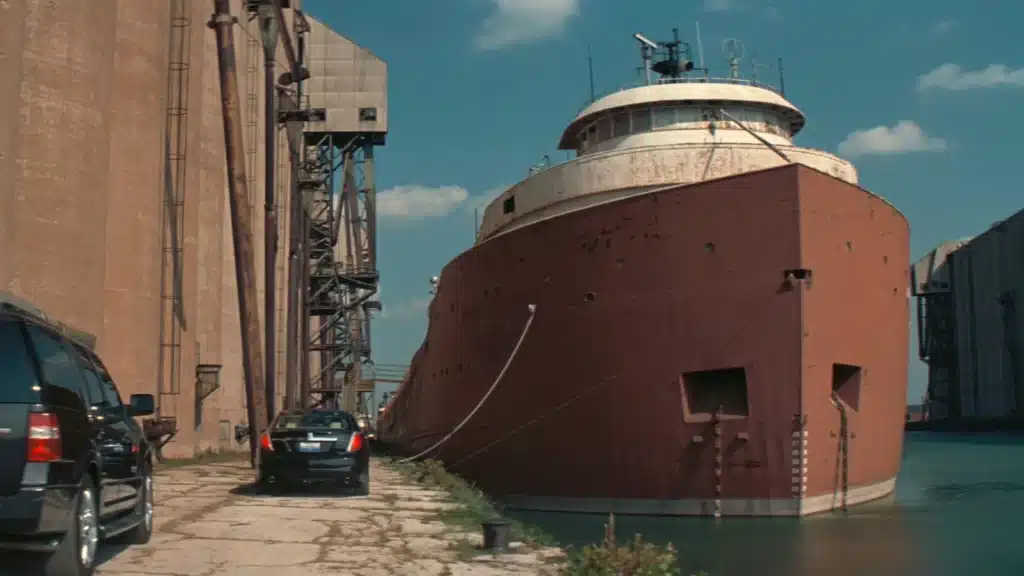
[265, 442]
[355, 443]
[43, 438]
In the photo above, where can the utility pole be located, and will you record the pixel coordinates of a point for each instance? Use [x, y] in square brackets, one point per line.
[291, 367]
[295, 244]
[241, 227]
[269, 27]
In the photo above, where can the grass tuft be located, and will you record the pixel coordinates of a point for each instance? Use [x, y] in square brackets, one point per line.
[635, 558]
[609, 558]
[475, 508]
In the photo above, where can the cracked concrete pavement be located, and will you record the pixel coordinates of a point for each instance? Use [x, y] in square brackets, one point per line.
[209, 522]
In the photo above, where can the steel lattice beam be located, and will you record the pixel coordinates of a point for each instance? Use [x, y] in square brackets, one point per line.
[342, 277]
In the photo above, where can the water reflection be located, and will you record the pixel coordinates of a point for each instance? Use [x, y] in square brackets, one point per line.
[852, 545]
[957, 510]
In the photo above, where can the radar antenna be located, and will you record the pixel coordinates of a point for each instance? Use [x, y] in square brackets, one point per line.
[733, 51]
[676, 56]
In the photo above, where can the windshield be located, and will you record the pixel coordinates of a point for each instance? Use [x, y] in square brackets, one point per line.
[328, 420]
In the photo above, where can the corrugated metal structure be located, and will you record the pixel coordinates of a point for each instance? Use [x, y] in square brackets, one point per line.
[113, 203]
[969, 324]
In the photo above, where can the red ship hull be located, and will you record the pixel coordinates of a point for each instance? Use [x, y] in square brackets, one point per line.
[683, 356]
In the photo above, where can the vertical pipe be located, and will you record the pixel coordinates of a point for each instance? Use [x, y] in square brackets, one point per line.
[370, 203]
[269, 25]
[241, 227]
[782, 79]
[700, 50]
[295, 254]
[294, 249]
[590, 65]
[304, 332]
[351, 200]
[647, 63]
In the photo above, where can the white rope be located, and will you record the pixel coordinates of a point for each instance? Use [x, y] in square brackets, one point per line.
[529, 321]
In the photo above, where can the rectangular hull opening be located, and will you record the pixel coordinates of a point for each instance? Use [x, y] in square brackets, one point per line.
[846, 380]
[707, 391]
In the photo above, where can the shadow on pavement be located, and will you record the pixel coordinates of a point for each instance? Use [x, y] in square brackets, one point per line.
[19, 564]
[313, 490]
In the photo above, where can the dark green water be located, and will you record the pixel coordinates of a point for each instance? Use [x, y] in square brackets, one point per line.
[958, 510]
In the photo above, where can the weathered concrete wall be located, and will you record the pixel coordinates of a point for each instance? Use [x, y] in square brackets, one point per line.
[84, 156]
[56, 119]
[131, 297]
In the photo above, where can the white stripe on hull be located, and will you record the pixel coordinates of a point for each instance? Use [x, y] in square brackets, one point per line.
[802, 506]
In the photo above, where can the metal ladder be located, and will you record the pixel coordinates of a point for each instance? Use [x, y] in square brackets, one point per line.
[844, 451]
[161, 429]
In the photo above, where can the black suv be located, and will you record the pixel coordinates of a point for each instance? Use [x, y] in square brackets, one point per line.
[76, 466]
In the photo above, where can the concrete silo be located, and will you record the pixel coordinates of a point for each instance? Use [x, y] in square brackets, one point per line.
[55, 134]
[137, 171]
[113, 203]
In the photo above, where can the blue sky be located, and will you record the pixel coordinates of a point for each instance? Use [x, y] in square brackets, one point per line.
[922, 95]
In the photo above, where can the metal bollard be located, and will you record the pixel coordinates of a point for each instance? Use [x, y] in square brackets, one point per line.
[497, 533]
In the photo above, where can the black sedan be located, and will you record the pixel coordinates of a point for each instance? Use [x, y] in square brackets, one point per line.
[315, 446]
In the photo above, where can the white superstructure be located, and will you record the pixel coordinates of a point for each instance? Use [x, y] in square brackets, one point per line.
[677, 130]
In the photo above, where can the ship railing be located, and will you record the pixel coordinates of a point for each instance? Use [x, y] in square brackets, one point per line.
[696, 79]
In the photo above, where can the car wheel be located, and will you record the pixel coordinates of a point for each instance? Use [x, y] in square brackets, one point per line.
[76, 553]
[268, 486]
[143, 531]
[362, 487]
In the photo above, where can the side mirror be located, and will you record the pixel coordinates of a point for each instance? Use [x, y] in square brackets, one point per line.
[141, 404]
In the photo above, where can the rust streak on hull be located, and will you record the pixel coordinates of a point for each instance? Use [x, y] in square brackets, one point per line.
[673, 366]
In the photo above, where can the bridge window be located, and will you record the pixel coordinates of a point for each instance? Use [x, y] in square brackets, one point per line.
[685, 116]
[604, 129]
[642, 120]
[689, 115]
[620, 125]
[509, 205]
[664, 116]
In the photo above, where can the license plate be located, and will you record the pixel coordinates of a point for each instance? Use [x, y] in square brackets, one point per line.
[309, 446]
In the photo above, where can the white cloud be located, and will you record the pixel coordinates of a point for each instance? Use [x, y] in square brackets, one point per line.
[523, 21]
[721, 5]
[942, 27]
[951, 76]
[408, 309]
[905, 136]
[415, 202]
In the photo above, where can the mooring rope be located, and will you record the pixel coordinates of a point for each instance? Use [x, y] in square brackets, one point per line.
[543, 416]
[526, 328]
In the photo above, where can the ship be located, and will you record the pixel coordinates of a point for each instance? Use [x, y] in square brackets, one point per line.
[691, 316]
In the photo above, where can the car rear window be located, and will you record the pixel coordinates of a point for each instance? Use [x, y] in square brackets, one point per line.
[18, 383]
[329, 420]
